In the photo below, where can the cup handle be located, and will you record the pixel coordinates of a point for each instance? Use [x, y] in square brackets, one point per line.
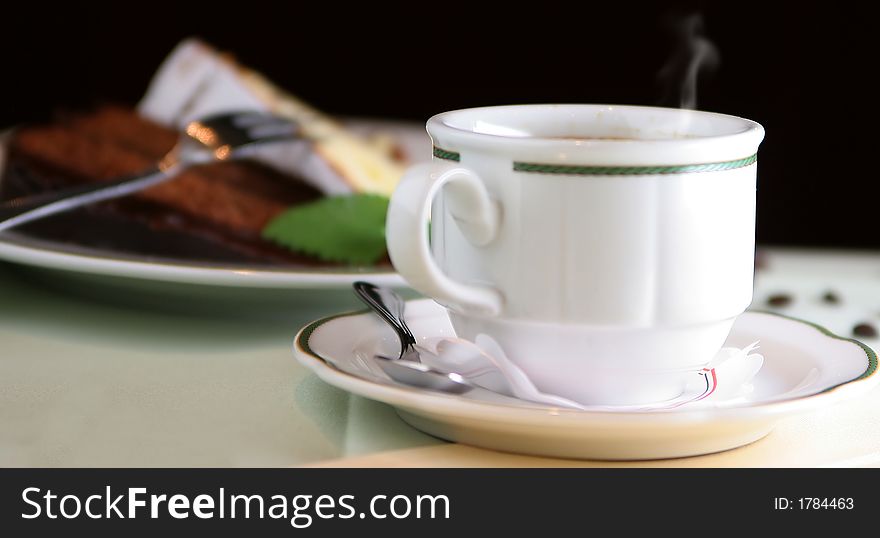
[474, 211]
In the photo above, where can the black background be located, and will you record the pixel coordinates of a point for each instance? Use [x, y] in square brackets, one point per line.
[804, 72]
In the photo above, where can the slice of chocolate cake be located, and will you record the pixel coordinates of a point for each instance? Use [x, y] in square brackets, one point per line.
[213, 212]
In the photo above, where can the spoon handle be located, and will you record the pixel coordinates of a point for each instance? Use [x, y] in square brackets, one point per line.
[389, 306]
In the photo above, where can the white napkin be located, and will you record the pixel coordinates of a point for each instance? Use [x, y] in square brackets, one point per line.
[726, 379]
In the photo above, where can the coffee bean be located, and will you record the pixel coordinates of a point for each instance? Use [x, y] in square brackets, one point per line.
[866, 330]
[831, 297]
[780, 299]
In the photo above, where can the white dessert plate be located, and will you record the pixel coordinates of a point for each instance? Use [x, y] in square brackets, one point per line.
[805, 368]
[106, 266]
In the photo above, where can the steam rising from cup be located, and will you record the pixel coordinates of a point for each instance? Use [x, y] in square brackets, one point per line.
[694, 53]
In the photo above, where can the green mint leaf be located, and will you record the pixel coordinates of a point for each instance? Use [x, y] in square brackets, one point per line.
[348, 229]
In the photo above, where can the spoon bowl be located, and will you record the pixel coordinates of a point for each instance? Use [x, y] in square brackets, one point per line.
[416, 374]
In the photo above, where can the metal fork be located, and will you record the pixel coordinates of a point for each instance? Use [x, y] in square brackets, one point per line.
[219, 137]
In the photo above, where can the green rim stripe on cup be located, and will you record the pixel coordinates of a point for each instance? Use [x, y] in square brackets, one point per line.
[578, 170]
[632, 170]
[441, 153]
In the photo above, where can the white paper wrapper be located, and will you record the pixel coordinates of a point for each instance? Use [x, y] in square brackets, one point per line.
[196, 81]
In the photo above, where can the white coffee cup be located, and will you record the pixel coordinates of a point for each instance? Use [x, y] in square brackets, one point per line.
[608, 249]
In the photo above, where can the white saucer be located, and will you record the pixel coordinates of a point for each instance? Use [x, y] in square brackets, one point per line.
[805, 368]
